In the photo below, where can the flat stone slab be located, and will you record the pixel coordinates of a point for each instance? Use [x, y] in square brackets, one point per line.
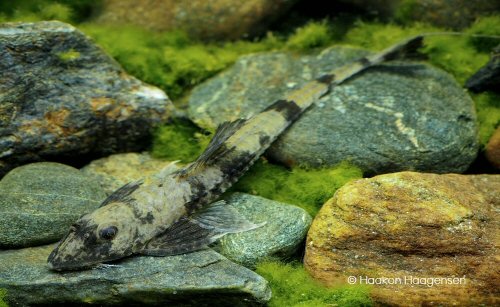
[280, 237]
[61, 96]
[392, 117]
[39, 201]
[203, 277]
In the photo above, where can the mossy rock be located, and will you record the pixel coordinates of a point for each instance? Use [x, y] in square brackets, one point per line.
[39, 201]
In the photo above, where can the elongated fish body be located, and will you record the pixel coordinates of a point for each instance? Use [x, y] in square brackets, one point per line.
[172, 212]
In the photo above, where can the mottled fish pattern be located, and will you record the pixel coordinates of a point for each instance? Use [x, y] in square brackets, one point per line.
[173, 212]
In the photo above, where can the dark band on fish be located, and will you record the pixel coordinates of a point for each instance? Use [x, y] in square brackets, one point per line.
[326, 78]
[198, 192]
[264, 139]
[364, 61]
[288, 108]
[148, 219]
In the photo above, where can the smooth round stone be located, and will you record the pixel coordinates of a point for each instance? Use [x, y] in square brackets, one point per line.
[39, 201]
[282, 234]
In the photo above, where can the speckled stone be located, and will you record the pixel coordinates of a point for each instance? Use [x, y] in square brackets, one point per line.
[208, 20]
[285, 229]
[200, 278]
[63, 97]
[39, 201]
[395, 116]
[412, 225]
[116, 170]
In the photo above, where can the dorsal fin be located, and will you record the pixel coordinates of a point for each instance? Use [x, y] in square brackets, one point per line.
[214, 148]
[123, 193]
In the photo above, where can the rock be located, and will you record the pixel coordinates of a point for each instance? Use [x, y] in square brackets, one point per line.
[116, 170]
[493, 149]
[199, 278]
[39, 201]
[61, 96]
[285, 229]
[396, 116]
[487, 78]
[448, 14]
[410, 225]
[217, 19]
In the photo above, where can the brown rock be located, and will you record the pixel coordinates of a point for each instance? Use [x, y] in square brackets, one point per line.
[451, 14]
[216, 19]
[493, 149]
[116, 170]
[408, 225]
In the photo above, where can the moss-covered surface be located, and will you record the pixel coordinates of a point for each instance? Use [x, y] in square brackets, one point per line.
[179, 140]
[292, 286]
[68, 55]
[306, 188]
[3, 294]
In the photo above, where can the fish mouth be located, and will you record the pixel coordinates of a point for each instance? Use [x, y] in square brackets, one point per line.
[58, 263]
[59, 266]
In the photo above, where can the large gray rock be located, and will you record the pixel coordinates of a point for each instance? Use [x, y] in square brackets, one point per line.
[116, 170]
[396, 116]
[203, 277]
[61, 95]
[283, 233]
[39, 201]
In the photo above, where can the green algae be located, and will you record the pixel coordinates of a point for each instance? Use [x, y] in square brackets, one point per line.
[37, 10]
[170, 60]
[312, 35]
[305, 188]
[179, 140]
[3, 294]
[69, 55]
[488, 114]
[292, 286]
[485, 26]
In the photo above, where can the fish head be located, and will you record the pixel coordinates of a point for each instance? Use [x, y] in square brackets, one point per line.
[107, 234]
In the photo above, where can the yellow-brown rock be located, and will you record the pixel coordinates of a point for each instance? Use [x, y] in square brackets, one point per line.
[215, 19]
[401, 226]
[116, 170]
[493, 149]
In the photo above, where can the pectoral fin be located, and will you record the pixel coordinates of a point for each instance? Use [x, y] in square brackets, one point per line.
[199, 230]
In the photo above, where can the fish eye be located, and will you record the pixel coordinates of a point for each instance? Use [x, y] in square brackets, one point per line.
[108, 233]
